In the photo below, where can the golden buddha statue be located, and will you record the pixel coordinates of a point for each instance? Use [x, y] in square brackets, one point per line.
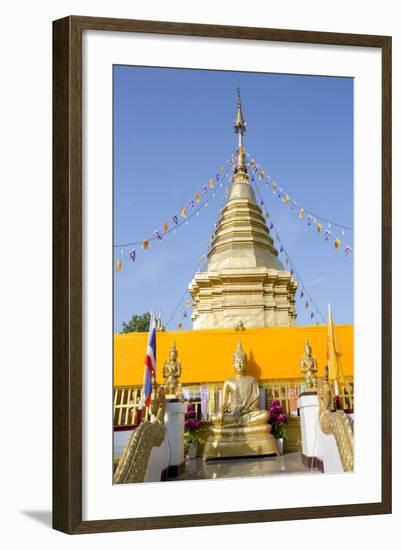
[171, 374]
[309, 368]
[240, 428]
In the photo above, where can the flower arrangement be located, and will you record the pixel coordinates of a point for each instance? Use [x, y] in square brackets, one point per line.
[191, 426]
[277, 419]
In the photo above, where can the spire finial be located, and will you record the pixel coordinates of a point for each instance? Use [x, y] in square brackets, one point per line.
[240, 129]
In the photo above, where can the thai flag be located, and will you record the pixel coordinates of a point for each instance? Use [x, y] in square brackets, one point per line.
[150, 363]
[175, 220]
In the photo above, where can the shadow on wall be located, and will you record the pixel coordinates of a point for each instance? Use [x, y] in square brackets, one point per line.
[253, 368]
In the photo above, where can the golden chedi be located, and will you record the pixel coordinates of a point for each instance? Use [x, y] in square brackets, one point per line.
[244, 279]
[240, 428]
[309, 368]
[171, 374]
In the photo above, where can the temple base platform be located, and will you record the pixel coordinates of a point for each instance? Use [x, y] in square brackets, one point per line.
[240, 445]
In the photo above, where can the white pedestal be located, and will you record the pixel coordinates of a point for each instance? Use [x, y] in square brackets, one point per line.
[309, 412]
[174, 421]
[158, 462]
[316, 444]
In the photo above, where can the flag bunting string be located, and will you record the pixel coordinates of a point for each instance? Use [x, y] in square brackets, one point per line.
[304, 294]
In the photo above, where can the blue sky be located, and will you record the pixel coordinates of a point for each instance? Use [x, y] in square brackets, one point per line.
[172, 132]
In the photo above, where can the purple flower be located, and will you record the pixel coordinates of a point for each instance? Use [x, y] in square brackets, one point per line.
[190, 407]
[190, 414]
[282, 418]
[275, 403]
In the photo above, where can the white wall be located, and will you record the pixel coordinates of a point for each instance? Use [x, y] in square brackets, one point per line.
[25, 293]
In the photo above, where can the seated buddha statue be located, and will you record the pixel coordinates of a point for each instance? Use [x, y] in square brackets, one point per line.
[240, 428]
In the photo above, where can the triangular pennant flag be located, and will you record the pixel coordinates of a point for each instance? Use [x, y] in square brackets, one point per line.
[211, 183]
[145, 244]
[165, 227]
[319, 227]
[301, 213]
[118, 265]
[197, 197]
[184, 212]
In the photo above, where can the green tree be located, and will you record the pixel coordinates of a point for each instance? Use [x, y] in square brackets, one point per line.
[137, 323]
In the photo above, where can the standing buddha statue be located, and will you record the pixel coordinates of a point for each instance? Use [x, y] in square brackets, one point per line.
[171, 374]
[309, 368]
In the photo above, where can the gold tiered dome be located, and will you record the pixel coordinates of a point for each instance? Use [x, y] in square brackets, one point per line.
[244, 280]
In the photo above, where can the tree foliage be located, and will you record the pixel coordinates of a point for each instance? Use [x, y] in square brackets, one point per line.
[137, 323]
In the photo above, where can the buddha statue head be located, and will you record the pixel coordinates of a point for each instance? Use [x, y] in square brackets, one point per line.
[308, 349]
[240, 359]
[173, 353]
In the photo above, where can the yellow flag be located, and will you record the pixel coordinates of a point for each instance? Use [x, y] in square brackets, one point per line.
[145, 245]
[211, 183]
[197, 197]
[286, 199]
[118, 265]
[274, 186]
[334, 354]
[319, 227]
[301, 213]
[184, 212]
[165, 227]
[337, 243]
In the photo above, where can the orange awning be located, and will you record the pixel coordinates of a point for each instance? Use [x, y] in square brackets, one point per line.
[206, 355]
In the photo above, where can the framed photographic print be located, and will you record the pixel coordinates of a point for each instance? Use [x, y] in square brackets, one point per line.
[222, 274]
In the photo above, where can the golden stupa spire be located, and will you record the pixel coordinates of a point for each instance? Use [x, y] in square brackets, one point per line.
[240, 129]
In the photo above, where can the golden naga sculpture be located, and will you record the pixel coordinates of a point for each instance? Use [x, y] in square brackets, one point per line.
[309, 367]
[336, 423]
[171, 374]
[134, 460]
[240, 428]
